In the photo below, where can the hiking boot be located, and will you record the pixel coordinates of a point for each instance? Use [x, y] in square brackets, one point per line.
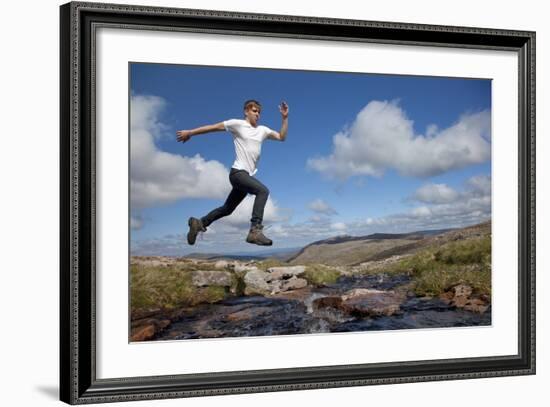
[255, 236]
[195, 226]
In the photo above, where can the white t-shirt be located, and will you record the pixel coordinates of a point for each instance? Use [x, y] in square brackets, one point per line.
[248, 143]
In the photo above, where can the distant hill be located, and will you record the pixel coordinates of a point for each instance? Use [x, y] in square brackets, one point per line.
[353, 250]
[281, 254]
[217, 256]
[345, 250]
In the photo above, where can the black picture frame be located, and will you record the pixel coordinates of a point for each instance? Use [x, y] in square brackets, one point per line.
[78, 381]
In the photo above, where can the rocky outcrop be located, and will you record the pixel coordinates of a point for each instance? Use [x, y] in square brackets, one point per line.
[294, 283]
[275, 280]
[144, 330]
[363, 302]
[143, 333]
[279, 273]
[256, 283]
[460, 296]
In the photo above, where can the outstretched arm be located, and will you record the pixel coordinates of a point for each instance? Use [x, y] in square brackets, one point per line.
[281, 136]
[185, 135]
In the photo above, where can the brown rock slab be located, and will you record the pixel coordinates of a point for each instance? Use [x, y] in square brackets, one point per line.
[293, 284]
[369, 302]
[143, 333]
[476, 305]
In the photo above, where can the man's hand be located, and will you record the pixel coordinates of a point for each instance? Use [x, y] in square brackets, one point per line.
[183, 135]
[283, 108]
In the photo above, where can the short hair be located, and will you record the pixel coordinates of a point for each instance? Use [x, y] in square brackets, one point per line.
[252, 102]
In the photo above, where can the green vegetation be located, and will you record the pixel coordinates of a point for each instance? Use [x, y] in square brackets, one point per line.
[435, 270]
[168, 287]
[320, 275]
[268, 263]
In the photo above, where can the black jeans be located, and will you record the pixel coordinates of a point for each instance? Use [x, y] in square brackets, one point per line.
[243, 184]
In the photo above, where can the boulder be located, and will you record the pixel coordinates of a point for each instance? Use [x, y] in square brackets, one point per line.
[143, 333]
[294, 283]
[256, 283]
[264, 283]
[279, 273]
[368, 302]
[204, 278]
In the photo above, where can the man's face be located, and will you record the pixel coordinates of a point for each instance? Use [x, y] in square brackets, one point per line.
[252, 114]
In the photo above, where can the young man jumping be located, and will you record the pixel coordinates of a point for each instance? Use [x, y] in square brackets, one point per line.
[247, 137]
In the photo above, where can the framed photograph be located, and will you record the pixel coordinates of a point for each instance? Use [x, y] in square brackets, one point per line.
[386, 235]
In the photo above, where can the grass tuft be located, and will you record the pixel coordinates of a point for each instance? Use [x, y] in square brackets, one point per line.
[434, 271]
[320, 275]
[168, 287]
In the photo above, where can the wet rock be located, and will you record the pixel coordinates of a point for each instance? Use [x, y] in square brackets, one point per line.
[143, 333]
[204, 278]
[476, 305]
[247, 314]
[362, 302]
[144, 330]
[367, 302]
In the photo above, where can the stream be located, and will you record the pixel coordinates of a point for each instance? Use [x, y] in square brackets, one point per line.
[296, 312]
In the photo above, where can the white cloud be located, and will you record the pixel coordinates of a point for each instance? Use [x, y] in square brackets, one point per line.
[382, 137]
[319, 219]
[435, 193]
[432, 130]
[480, 185]
[338, 226]
[158, 177]
[240, 218]
[322, 207]
[136, 222]
[421, 211]
[472, 205]
[446, 206]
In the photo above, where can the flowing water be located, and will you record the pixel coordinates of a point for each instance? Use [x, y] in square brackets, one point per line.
[295, 313]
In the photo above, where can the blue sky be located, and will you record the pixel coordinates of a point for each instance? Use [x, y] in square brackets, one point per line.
[365, 153]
